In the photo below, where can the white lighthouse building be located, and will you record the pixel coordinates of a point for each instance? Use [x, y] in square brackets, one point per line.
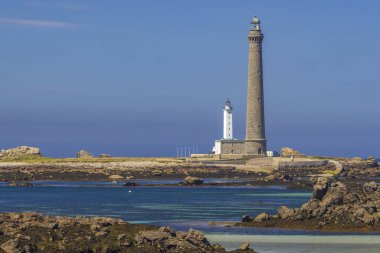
[228, 145]
[227, 121]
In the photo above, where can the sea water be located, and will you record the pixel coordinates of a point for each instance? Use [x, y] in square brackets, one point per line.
[185, 207]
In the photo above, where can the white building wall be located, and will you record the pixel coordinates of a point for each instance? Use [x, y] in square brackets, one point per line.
[218, 147]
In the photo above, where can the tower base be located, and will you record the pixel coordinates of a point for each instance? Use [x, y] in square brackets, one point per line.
[255, 147]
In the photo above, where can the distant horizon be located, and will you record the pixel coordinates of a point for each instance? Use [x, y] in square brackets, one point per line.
[143, 78]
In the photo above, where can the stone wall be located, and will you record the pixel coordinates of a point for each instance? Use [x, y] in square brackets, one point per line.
[302, 164]
[232, 147]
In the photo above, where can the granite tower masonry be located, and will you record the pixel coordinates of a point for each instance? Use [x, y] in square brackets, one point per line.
[255, 142]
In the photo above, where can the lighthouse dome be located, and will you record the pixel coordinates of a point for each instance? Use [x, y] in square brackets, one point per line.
[255, 20]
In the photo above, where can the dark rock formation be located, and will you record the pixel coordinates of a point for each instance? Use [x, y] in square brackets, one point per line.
[33, 232]
[320, 187]
[246, 218]
[333, 206]
[129, 184]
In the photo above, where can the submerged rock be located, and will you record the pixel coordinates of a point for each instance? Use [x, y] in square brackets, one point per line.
[129, 184]
[193, 180]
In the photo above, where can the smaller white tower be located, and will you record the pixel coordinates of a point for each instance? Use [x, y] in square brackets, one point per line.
[227, 121]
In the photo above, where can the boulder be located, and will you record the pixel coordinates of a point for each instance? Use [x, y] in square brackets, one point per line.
[285, 212]
[244, 246]
[20, 151]
[193, 180]
[84, 154]
[262, 217]
[246, 218]
[11, 246]
[320, 187]
[370, 187]
[167, 229]
[196, 237]
[154, 236]
[288, 152]
[334, 195]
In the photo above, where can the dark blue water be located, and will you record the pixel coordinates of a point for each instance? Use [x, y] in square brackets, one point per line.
[185, 207]
[181, 207]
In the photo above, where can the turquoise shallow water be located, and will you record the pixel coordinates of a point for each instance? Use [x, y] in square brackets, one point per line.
[185, 207]
[303, 243]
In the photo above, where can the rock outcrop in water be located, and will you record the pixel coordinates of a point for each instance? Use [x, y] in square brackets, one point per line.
[20, 151]
[193, 180]
[333, 206]
[32, 232]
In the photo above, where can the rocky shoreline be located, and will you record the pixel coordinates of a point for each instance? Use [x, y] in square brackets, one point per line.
[333, 207]
[33, 232]
[22, 165]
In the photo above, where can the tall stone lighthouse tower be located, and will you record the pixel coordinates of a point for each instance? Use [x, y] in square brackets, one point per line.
[255, 142]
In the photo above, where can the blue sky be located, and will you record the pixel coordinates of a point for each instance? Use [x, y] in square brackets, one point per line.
[143, 77]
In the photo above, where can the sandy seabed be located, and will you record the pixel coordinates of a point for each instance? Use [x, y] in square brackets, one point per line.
[302, 243]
